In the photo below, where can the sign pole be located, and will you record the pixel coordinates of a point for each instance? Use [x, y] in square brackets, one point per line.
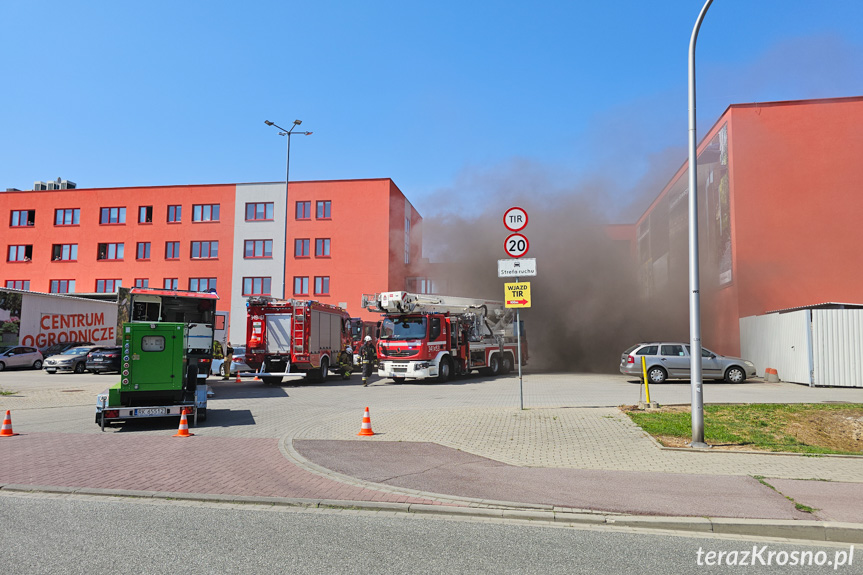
[518, 334]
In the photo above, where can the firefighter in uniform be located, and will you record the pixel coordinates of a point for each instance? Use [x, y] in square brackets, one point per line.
[368, 358]
[226, 367]
[346, 362]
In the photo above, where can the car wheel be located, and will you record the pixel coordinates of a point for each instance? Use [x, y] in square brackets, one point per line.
[80, 368]
[656, 375]
[37, 364]
[735, 375]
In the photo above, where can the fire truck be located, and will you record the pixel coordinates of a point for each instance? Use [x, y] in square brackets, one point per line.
[294, 336]
[426, 336]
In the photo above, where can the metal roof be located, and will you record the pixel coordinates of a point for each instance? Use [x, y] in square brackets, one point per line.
[826, 305]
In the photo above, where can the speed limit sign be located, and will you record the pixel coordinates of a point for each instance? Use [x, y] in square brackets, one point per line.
[516, 245]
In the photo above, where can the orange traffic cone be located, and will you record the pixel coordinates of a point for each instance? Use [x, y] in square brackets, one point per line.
[366, 429]
[184, 427]
[6, 431]
[238, 378]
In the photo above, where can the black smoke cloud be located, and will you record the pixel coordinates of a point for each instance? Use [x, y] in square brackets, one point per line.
[586, 308]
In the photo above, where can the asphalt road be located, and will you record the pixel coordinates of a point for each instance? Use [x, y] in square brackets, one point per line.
[88, 535]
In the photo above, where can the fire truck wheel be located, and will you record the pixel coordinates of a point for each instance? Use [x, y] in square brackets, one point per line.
[494, 366]
[398, 380]
[271, 380]
[444, 370]
[325, 368]
[507, 363]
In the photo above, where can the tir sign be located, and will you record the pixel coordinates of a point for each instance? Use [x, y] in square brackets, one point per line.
[517, 294]
[515, 219]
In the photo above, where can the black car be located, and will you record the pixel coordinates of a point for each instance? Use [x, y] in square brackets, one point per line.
[59, 348]
[103, 360]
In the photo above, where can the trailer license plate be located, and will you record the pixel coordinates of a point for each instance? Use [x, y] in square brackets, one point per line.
[145, 411]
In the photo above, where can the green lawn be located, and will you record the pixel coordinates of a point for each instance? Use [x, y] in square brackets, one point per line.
[798, 428]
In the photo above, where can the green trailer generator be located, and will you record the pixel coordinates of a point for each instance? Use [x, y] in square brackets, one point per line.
[156, 379]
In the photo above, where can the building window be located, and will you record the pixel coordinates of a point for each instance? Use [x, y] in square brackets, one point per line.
[322, 285]
[112, 216]
[62, 286]
[107, 286]
[323, 207]
[205, 250]
[18, 284]
[421, 285]
[172, 250]
[170, 283]
[259, 211]
[20, 253]
[141, 282]
[23, 218]
[145, 215]
[70, 217]
[322, 247]
[110, 252]
[301, 286]
[407, 240]
[174, 214]
[301, 248]
[64, 252]
[258, 249]
[202, 284]
[304, 210]
[205, 213]
[143, 251]
[256, 286]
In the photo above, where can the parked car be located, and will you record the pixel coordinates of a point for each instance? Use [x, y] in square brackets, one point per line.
[59, 348]
[74, 359]
[238, 362]
[666, 360]
[20, 356]
[104, 360]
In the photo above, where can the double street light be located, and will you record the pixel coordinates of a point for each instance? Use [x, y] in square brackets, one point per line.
[288, 133]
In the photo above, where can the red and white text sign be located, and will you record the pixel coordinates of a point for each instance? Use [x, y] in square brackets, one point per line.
[516, 245]
[515, 219]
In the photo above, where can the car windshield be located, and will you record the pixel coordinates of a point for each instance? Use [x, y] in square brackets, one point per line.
[404, 328]
[239, 351]
[77, 351]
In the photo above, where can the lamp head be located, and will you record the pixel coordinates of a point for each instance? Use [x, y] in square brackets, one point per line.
[267, 122]
[297, 122]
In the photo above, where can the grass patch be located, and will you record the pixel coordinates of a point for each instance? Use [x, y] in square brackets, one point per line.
[812, 429]
[4, 392]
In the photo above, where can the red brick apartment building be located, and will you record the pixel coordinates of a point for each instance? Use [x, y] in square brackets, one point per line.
[780, 204]
[343, 238]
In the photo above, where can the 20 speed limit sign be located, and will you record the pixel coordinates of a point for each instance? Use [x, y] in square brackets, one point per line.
[516, 245]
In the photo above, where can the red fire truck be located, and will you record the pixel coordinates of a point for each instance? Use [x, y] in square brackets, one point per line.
[430, 336]
[294, 336]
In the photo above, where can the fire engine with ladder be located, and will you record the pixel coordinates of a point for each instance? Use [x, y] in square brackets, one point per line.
[426, 336]
[294, 336]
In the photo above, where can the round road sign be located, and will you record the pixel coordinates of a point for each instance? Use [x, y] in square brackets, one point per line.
[516, 245]
[515, 219]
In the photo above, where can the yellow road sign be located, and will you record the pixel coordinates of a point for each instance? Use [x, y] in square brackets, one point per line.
[517, 294]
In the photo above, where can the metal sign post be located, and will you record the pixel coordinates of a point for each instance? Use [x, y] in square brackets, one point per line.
[517, 295]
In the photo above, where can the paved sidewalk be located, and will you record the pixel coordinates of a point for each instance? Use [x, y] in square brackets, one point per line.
[463, 446]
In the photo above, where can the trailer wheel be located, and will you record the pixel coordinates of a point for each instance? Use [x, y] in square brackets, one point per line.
[202, 414]
[444, 370]
[398, 380]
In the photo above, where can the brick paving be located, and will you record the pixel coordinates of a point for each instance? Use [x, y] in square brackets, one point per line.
[260, 440]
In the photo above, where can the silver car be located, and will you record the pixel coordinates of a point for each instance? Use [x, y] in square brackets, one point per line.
[664, 360]
[74, 359]
[20, 356]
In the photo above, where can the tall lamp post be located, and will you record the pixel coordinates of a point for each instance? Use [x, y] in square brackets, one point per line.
[696, 376]
[288, 133]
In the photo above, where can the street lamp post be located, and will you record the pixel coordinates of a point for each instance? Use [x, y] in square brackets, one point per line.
[696, 376]
[287, 133]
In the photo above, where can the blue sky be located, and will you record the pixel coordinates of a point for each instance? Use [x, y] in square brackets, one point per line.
[449, 99]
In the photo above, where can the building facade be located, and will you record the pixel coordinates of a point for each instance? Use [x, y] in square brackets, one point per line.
[329, 241]
[779, 199]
